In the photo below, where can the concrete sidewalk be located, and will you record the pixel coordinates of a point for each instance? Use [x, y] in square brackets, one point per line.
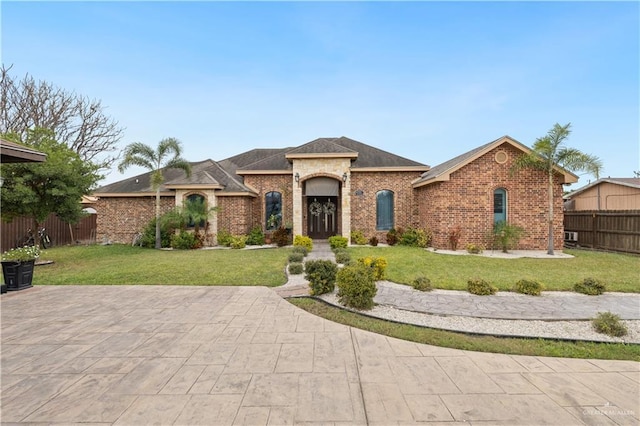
[132, 355]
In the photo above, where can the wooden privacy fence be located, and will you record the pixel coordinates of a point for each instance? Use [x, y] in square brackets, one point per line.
[61, 233]
[615, 230]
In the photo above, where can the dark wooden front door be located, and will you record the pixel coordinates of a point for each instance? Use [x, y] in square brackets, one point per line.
[322, 217]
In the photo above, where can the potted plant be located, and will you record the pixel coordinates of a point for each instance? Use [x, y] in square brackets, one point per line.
[17, 267]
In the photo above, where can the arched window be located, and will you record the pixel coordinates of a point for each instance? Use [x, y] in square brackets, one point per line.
[273, 210]
[499, 205]
[196, 208]
[384, 210]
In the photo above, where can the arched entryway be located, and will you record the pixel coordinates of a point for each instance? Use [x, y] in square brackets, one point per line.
[322, 207]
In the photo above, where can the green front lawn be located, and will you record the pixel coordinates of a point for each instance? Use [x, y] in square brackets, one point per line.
[122, 264]
[450, 272]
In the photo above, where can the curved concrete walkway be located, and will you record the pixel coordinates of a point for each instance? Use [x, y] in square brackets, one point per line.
[134, 355]
[552, 305]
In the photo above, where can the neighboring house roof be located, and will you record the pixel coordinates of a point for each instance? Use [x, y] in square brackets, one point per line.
[364, 156]
[204, 174]
[443, 171]
[629, 182]
[11, 152]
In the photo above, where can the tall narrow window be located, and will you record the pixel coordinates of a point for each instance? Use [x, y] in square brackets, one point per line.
[196, 210]
[273, 210]
[384, 210]
[499, 205]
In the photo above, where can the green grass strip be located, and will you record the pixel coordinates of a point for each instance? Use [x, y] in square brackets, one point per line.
[449, 339]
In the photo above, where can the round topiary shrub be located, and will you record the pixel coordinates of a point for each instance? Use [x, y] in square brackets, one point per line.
[321, 275]
[301, 249]
[609, 324]
[296, 268]
[590, 286]
[343, 257]
[303, 241]
[480, 287]
[296, 257]
[378, 264]
[338, 241]
[358, 238]
[530, 287]
[373, 241]
[356, 286]
[422, 283]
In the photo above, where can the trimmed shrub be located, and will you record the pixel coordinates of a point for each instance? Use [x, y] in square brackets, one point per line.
[373, 241]
[338, 241]
[321, 275]
[302, 241]
[392, 237]
[281, 237]
[301, 249]
[609, 324]
[530, 287]
[415, 237]
[590, 286]
[343, 257]
[224, 238]
[474, 248]
[238, 242]
[183, 241]
[422, 283]
[296, 257]
[358, 238]
[296, 268]
[377, 264]
[480, 287]
[256, 237]
[356, 286]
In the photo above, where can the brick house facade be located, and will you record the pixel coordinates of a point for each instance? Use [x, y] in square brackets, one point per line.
[332, 186]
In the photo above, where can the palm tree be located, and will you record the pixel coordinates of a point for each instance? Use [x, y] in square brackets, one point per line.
[548, 154]
[197, 211]
[165, 156]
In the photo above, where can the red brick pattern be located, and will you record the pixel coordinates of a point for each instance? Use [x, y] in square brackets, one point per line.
[466, 200]
[120, 218]
[234, 214]
[365, 186]
[268, 183]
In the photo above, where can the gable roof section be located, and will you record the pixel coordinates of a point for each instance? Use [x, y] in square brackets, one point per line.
[629, 182]
[204, 175]
[364, 157]
[443, 171]
[11, 152]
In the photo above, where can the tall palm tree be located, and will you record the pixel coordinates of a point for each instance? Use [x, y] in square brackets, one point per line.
[548, 154]
[165, 156]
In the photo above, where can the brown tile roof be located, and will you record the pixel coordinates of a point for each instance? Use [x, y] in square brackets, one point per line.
[367, 155]
[203, 173]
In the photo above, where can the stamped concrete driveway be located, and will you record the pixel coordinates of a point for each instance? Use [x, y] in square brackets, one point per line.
[135, 355]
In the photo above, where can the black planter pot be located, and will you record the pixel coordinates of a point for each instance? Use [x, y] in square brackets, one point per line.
[17, 275]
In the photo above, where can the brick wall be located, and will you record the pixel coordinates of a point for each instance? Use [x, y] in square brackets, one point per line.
[363, 205]
[466, 200]
[268, 183]
[120, 218]
[235, 214]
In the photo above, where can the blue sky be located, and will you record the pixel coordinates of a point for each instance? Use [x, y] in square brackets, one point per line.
[425, 80]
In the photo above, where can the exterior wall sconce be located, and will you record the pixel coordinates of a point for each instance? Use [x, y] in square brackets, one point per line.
[344, 177]
[297, 177]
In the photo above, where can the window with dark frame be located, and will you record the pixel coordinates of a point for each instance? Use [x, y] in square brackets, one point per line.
[384, 210]
[273, 210]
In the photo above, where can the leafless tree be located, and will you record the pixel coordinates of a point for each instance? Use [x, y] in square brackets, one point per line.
[76, 120]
